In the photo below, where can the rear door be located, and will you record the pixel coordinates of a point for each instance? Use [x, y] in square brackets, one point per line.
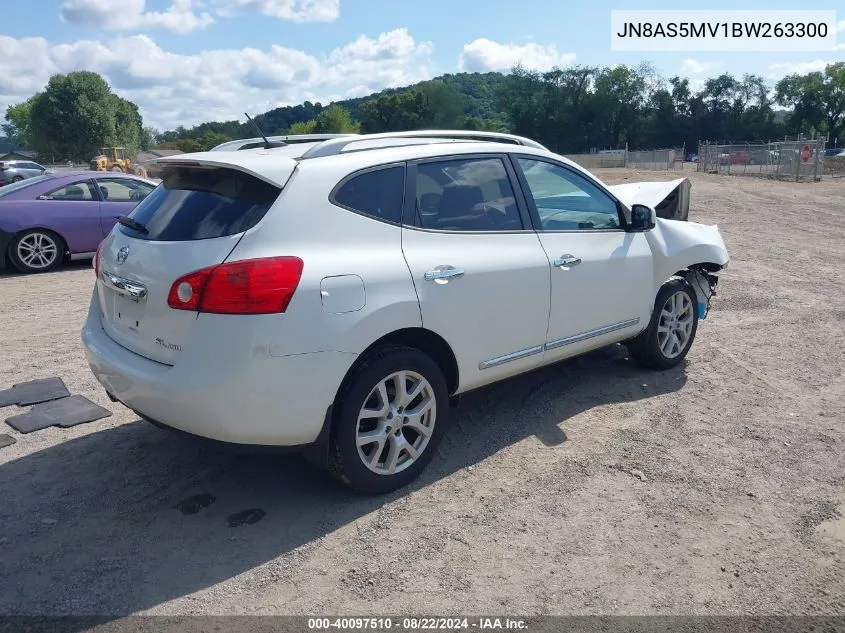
[480, 273]
[191, 221]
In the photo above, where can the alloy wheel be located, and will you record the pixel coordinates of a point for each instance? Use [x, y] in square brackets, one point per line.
[37, 251]
[675, 326]
[396, 422]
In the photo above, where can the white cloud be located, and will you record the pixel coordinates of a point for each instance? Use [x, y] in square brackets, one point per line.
[800, 68]
[291, 10]
[694, 67]
[172, 89]
[840, 26]
[131, 15]
[483, 55]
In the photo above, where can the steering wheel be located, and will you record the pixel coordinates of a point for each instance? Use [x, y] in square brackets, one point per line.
[136, 196]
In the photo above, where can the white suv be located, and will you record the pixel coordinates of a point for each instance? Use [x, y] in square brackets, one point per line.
[334, 295]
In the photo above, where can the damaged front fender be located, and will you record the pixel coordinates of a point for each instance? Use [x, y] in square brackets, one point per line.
[677, 246]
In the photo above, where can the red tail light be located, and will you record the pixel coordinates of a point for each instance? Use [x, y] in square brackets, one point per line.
[97, 261]
[250, 286]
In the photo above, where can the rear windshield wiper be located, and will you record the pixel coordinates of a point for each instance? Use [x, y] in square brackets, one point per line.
[125, 220]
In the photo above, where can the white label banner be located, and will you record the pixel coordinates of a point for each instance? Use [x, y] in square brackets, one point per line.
[706, 30]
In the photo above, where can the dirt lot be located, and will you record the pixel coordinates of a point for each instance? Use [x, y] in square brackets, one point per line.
[530, 506]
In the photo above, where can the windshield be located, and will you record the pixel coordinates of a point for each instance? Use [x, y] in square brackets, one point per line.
[23, 184]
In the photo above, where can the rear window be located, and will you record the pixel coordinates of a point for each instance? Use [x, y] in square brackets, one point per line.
[198, 203]
[5, 190]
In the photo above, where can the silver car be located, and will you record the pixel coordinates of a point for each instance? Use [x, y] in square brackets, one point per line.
[15, 170]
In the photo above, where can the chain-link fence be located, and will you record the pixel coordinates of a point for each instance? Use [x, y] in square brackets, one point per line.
[656, 159]
[791, 159]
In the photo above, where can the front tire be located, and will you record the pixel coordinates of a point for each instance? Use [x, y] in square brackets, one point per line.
[671, 331]
[390, 415]
[17, 178]
[36, 251]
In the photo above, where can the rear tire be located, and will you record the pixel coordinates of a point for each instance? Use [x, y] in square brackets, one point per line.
[390, 415]
[671, 331]
[17, 178]
[116, 168]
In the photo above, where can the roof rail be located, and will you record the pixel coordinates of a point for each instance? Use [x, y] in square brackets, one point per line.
[335, 146]
[244, 143]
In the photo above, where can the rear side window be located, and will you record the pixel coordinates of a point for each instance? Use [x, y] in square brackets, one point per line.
[377, 193]
[198, 203]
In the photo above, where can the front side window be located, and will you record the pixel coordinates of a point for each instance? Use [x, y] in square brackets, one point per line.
[123, 190]
[566, 200]
[470, 194]
[76, 191]
[378, 193]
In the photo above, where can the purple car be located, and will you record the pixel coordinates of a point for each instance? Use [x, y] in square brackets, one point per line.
[51, 218]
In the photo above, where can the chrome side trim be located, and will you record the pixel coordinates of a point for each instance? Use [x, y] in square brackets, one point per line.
[487, 364]
[124, 286]
[75, 256]
[583, 336]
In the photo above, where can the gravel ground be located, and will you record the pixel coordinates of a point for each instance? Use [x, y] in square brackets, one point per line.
[587, 487]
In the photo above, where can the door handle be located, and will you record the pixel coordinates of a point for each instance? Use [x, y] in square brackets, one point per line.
[442, 274]
[567, 260]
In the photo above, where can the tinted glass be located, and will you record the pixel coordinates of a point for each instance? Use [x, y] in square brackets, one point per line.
[377, 193]
[567, 201]
[5, 190]
[74, 192]
[466, 195]
[123, 189]
[195, 203]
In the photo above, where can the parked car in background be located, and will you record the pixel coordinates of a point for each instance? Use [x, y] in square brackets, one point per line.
[834, 151]
[17, 170]
[50, 218]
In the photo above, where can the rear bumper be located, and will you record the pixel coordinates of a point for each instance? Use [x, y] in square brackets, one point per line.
[226, 390]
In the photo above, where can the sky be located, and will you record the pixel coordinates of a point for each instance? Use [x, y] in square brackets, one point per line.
[188, 61]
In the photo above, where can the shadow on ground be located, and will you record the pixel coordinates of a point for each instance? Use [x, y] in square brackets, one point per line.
[68, 266]
[131, 517]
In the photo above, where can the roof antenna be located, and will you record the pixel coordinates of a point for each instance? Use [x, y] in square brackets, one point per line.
[268, 144]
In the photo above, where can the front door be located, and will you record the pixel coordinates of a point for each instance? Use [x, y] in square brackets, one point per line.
[601, 275]
[480, 273]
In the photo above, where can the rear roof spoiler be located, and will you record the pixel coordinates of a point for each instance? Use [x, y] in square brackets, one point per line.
[277, 171]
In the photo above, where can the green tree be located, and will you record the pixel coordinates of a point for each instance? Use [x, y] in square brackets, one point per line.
[187, 145]
[335, 120]
[444, 105]
[18, 122]
[395, 112]
[77, 114]
[210, 139]
[301, 127]
[128, 126]
[817, 100]
[149, 137]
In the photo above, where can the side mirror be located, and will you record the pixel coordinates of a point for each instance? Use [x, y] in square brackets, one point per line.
[643, 218]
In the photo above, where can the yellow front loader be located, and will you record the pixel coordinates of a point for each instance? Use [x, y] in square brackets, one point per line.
[112, 159]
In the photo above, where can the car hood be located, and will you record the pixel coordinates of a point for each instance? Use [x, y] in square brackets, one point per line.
[670, 199]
